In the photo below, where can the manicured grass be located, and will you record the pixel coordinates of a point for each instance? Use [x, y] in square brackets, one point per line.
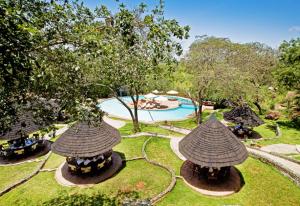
[12, 174]
[289, 136]
[263, 186]
[191, 122]
[54, 161]
[55, 138]
[153, 128]
[131, 147]
[138, 176]
[186, 124]
[265, 131]
[158, 149]
[295, 156]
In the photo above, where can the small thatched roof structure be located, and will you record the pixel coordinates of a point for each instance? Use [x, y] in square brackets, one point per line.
[243, 114]
[24, 125]
[212, 144]
[86, 140]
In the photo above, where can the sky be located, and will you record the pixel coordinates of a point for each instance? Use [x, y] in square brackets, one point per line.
[265, 21]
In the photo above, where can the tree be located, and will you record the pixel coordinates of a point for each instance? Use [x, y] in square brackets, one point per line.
[221, 69]
[255, 62]
[137, 43]
[205, 63]
[19, 22]
[288, 70]
[42, 48]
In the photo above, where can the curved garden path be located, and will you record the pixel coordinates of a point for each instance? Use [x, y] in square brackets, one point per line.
[115, 123]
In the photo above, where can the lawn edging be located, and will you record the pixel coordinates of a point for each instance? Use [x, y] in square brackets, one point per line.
[158, 197]
[34, 173]
[284, 170]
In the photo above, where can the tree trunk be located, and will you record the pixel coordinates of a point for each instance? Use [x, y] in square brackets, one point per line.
[196, 108]
[199, 115]
[256, 103]
[134, 116]
[136, 126]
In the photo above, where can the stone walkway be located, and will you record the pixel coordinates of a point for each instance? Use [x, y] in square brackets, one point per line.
[174, 143]
[281, 148]
[115, 123]
[176, 129]
[286, 164]
[151, 134]
[50, 135]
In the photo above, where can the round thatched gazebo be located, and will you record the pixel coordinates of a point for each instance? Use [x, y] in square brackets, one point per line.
[18, 142]
[87, 147]
[212, 149]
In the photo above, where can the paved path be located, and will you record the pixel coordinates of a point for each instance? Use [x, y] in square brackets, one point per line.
[176, 129]
[115, 123]
[50, 135]
[150, 134]
[281, 148]
[174, 143]
[286, 164]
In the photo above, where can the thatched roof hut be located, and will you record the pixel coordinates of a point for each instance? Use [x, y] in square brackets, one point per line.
[243, 114]
[213, 145]
[24, 125]
[86, 140]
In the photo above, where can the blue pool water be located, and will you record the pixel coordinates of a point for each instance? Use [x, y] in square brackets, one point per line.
[115, 108]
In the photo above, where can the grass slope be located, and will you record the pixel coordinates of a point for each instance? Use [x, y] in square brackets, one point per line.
[138, 176]
[263, 186]
[12, 174]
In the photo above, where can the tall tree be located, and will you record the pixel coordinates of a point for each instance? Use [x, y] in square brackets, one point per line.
[288, 70]
[136, 44]
[205, 63]
[42, 48]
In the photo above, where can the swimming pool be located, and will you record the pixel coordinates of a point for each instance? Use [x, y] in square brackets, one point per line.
[114, 107]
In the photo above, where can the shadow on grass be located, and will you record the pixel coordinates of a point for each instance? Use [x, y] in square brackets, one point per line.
[289, 124]
[95, 199]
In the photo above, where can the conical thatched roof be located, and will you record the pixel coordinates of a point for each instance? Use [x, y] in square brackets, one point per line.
[243, 114]
[86, 140]
[212, 144]
[24, 124]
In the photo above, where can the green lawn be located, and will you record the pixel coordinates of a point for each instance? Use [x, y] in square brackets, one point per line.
[264, 185]
[190, 123]
[165, 154]
[289, 135]
[12, 174]
[54, 161]
[138, 176]
[295, 156]
[131, 147]
[153, 128]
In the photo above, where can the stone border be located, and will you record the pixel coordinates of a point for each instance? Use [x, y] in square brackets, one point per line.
[277, 154]
[34, 173]
[284, 171]
[20, 163]
[158, 197]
